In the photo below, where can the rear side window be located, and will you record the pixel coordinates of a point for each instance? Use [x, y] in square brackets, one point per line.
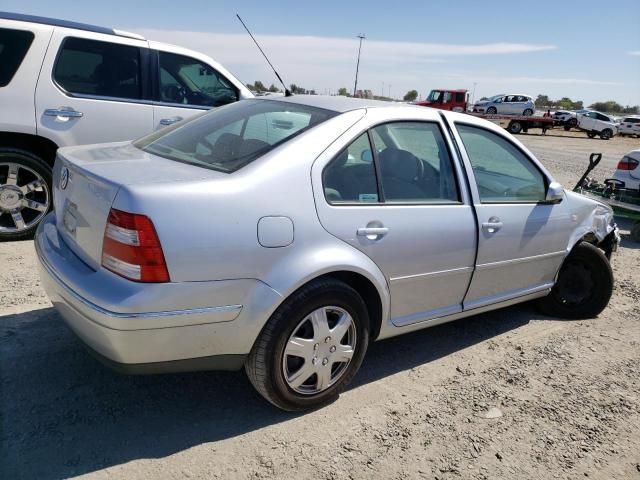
[459, 97]
[14, 45]
[103, 69]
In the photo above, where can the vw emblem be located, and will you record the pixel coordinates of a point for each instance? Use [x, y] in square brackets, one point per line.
[64, 178]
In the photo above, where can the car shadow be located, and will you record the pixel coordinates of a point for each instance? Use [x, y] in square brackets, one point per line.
[64, 414]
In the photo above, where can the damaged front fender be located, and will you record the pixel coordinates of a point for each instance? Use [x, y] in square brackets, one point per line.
[592, 220]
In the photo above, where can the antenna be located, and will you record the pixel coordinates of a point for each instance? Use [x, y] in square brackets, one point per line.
[287, 93]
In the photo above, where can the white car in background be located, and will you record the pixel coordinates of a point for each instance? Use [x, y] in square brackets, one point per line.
[629, 126]
[628, 170]
[568, 118]
[597, 124]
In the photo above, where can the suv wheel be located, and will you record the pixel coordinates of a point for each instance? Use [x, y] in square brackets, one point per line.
[492, 111]
[606, 134]
[584, 285]
[528, 112]
[25, 193]
[591, 134]
[311, 347]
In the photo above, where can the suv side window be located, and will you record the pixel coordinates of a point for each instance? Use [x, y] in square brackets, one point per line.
[503, 173]
[14, 45]
[415, 166]
[187, 81]
[102, 69]
[459, 97]
[351, 176]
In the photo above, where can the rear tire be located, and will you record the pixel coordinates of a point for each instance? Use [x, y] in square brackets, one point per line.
[25, 193]
[492, 111]
[591, 134]
[583, 287]
[606, 134]
[573, 122]
[635, 232]
[274, 368]
[515, 127]
[528, 112]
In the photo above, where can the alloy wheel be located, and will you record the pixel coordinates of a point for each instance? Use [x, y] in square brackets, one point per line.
[24, 198]
[319, 351]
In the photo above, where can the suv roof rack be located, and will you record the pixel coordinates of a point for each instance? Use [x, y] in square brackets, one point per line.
[67, 24]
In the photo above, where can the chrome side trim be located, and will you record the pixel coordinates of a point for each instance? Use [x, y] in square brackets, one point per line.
[502, 297]
[516, 261]
[109, 313]
[439, 273]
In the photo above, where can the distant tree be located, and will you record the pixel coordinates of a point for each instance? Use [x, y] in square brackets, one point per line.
[293, 88]
[483, 99]
[259, 86]
[343, 91]
[635, 109]
[273, 88]
[251, 87]
[608, 106]
[543, 101]
[410, 96]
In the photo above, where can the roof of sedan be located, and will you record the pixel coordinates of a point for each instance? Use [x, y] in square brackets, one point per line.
[336, 103]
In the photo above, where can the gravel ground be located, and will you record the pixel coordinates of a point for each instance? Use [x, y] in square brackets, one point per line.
[505, 395]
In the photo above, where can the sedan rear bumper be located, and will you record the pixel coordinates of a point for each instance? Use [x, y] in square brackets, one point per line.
[144, 328]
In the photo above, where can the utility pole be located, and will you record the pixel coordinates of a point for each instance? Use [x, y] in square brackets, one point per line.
[355, 85]
[382, 91]
[389, 90]
[473, 95]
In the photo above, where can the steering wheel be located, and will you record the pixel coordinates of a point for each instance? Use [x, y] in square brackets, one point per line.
[420, 171]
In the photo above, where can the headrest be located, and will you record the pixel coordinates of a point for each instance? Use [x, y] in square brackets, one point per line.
[400, 164]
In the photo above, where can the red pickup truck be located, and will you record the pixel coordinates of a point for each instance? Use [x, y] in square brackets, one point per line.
[445, 99]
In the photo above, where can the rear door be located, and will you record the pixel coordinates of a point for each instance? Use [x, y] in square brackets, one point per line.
[522, 240]
[93, 88]
[391, 191]
[186, 86]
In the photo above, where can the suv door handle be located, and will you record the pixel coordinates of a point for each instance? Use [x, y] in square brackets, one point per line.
[170, 121]
[63, 113]
[493, 225]
[372, 233]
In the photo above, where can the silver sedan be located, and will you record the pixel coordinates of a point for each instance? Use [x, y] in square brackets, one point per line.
[284, 235]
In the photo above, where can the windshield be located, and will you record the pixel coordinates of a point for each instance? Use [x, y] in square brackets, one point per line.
[434, 96]
[230, 137]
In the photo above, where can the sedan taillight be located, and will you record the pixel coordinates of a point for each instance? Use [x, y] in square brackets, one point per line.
[628, 164]
[131, 248]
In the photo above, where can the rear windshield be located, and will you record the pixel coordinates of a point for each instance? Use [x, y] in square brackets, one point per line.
[230, 137]
[14, 45]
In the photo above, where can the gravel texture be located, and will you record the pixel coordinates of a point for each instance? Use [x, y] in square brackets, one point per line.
[509, 394]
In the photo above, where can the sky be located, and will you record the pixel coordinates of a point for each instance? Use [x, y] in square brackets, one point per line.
[585, 50]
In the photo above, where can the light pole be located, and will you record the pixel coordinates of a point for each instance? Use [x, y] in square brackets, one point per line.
[355, 85]
[389, 90]
[473, 95]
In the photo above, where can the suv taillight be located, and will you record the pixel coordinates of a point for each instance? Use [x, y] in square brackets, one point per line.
[131, 248]
[628, 164]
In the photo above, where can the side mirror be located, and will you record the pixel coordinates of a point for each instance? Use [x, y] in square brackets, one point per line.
[555, 193]
[366, 156]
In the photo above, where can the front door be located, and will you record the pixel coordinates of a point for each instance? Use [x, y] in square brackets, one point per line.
[522, 239]
[392, 194]
[186, 87]
[93, 90]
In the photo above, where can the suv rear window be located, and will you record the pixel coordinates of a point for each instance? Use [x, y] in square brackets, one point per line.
[14, 45]
[90, 67]
[230, 137]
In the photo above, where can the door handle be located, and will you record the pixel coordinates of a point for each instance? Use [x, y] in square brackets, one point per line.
[493, 225]
[170, 121]
[63, 113]
[372, 233]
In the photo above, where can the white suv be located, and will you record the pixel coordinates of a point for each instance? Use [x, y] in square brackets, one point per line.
[596, 123]
[629, 126]
[64, 83]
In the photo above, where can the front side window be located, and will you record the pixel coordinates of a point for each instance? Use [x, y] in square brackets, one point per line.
[90, 67]
[459, 97]
[228, 138]
[14, 45]
[186, 81]
[503, 173]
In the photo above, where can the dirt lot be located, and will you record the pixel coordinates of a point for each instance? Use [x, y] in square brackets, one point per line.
[509, 394]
